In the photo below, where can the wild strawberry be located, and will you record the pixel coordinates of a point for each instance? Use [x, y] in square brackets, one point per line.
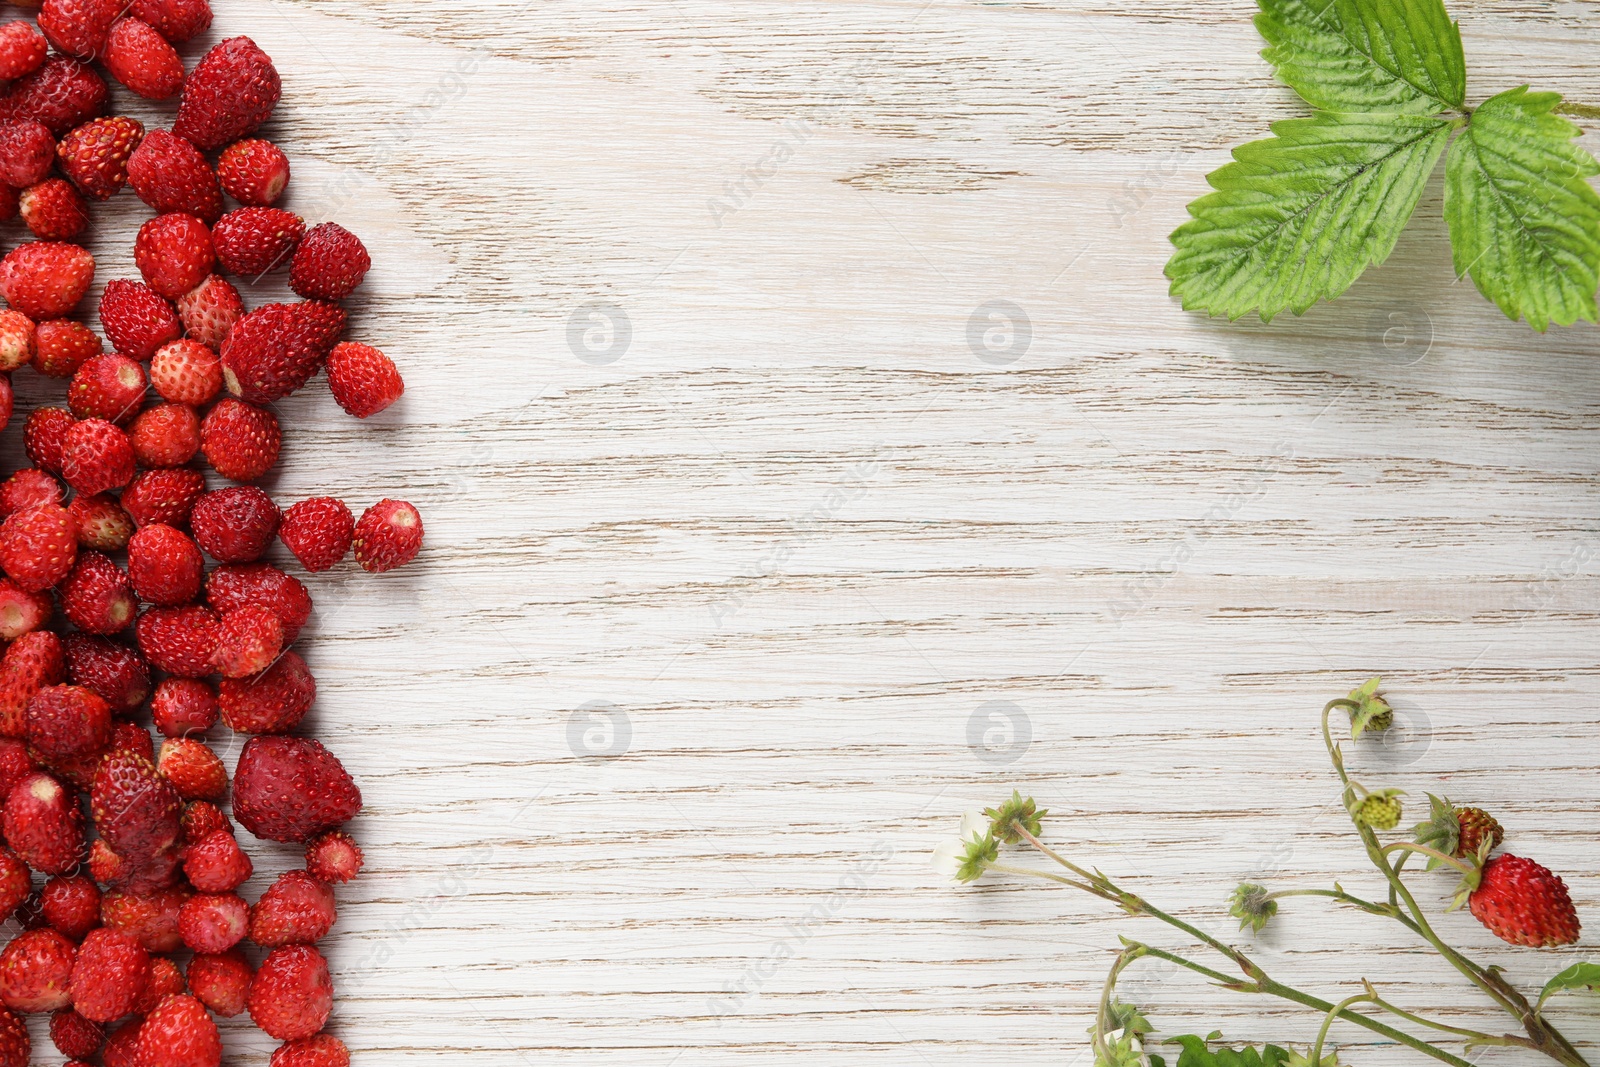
[248, 640]
[16, 336]
[291, 789]
[174, 253]
[96, 595]
[1379, 810]
[296, 909]
[122, 1045]
[111, 970]
[43, 825]
[292, 993]
[36, 972]
[140, 58]
[320, 323]
[163, 496]
[32, 661]
[184, 706]
[22, 49]
[209, 311]
[165, 565]
[53, 210]
[43, 435]
[15, 765]
[364, 381]
[21, 612]
[240, 441]
[319, 1050]
[193, 769]
[62, 94]
[388, 535]
[152, 918]
[97, 456]
[214, 922]
[75, 1036]
[1476, 826]
[28, 488]
[179, 1033]
[186, 372]
[231, 92]
[16, 882]
[95, 155]
[269, 354]
[15, 1046]
[170, 174]
[1522, 902]
[233, 525]
[27, 152]
[46, 279]
[221, 981]
[71, 904]
[333, 857]
[102, 524]
[272, 702]
[136, 319]
[216, 863]
[167, 435]
[78, 27]
[62, 346]
[253, 172]
[179, 640]
[318, 531]
[201, 819]
[136, 812]
[176, 20]
[165, 980]
[68, 722]
[38, 546]
[106, 387]
[329, 263]
[254, 241]
[118, 674]
[237, 585]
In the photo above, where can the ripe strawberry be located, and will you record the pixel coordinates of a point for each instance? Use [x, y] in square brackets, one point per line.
[151, 917]
[388, 535]
[106, 387]
[1474, 827]
[329, 264]
[78, 27]
[96, 595]
[68, 722]
[167, 435]
[254, 241]
[122, 1045]
[184, 706]
[140, 58]
[71, 904]
[364, 381]
[62, 346]
[186, 372]
[38, 546]
[230, 93]
[174, 253]
[270, 353]
[43, 434]
[62, 93]
[248, 640]
[16, 337]
[53, 210]
[209, 311]
[1522, 902]
[15, 1046]
[179, 640]
[115, 672]
[170, 174]
[291, 789]
[111, 971]
[321, 324]
[75, 1036]
[165, 565]
[163, 496]
[22, 49]
[272, 702]
[320, 1050]
[201, 819]
[296, 909]
[179, 1033]
[176, 20]
[216, 863]
[21, 612]
[237, 585]
[136, 812]
[131, 738]
[165, 981]
[292, 993]
[15, 765]
[318, 531]
[97, 457]
[233, 525]
[214, 922]
[46, 279]
[28, 488]
[95, 155]
[27, 152]
[193, 769]
[36, 972]
[136, 319]
[240, 441]
[253, 172]
[16, 882]
[221, 981]
[32, 661]
[102, 524]
[43, 825]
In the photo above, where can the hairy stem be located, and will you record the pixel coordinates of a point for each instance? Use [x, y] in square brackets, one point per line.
[1327, 1023]
[1585, 111]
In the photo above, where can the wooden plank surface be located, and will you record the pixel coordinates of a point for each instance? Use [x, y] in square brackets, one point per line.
[751, 498]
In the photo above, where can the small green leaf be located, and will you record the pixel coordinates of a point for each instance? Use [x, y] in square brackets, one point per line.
[1392, 56]
[1578, 976]
[1524, 220]
[1296, 218]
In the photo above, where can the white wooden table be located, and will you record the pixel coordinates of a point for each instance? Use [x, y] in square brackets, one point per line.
[743, 510]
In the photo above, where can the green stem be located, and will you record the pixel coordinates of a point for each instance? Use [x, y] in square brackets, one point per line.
[1103, 1016]
[1473, 1036]
[1327, 1023]
[1586, 111]
[1432, 853]
[1006, 868]
[1373, 907]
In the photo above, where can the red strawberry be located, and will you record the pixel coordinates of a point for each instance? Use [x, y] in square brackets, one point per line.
[15, 765]
[184, 706]
[21, 612]
[253, 172]
[62, 346]
[176, 20]
[111, 971]
[122, 1045]
[329, 263]
[318, 531]
[132, 738]
[32, 661]
[16, 882]
[78, 27]
[269, 354]
[136, 812]
[27, 152]
[150, 917]
[210, 309]
[240, 441]
[96, 595]
[75, 1036]
[22, 49]
[273, 702]
[364, 381]
[193, 769]
[38, 546]
[214, 922]
[216, 863]
[321, 324]
[43, 434]
[254, 241]
[163, 496]
[233, 525]
[248, 640]
[179, 640]
[292, 993]
[170, 174]
[46, 279]
[237, 585]
[174, 253]
[179, 1033]
[165, 565]
[296, 909]
[1476, 826]
[106, 387]
[44, 826]
[68, 722]
[36, 972]
[388, 535]
[16, 336]
[62, 93]
[53, 210]
[71, 904]
[221, 981]
[319, 1050]
[291, 789]
[202, 819]
[28, 488]
[102, 524]
[15, 1046]
[186, 372]
[1522, 902]
[95, 155]
[117, 673]
[231, 92]
[165, 981]
[140, 58]
[97, 457]
[167, 435]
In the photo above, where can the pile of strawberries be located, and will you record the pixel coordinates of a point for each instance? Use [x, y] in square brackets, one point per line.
[138, 935]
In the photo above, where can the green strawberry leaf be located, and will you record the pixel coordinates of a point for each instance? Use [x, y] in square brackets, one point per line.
[1393, 56]
[1524, 220]
[1578, 976]
[1297, 217]
[1197, 1054]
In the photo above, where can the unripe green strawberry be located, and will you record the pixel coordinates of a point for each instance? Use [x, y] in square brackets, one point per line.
[1380, 810]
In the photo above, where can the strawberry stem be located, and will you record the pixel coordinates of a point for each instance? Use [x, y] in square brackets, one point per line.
[1586, 111]
[1327, 1023]
[1432, 853]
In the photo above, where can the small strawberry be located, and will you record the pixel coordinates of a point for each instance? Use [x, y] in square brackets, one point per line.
[221, 981]
[201, 819]
[209, 311]
[167, 435]
[102, 524]
[216, 863]
[75, 1036]
[174, 253]
[44, 826]
[62, 94]
[117, 673]
[193, 769]
[15, 765]
[1476, 826]
[109, 388]
[97, 456]
[388, 535]
[364, 381]
[136, 813]
[16, 882]
[21, 612]
[78, 27]
[96, 595]
[163, 496]
[53, 210]
[186, 372]
[15, 1046]
[22, 50]
[292, 993]
[320, 323]
[291, 789]
[27, 152]
[151, 917]
[16, 337]
[270, 353]
[36, 972]
[164, 565]
[1522, 902]
[240, 441]
[140, 58]
[111, 970]
[272, 702]
[28, 488]
[165, 980]
[230, 93]
[333, 857]
[318, 531]
[32, 661]
[214, 922]
[71, 904]
[170, 174]
[254, 241]
[122, 1045]
[253, 172]
[46, 279]
[179, 640]
[68, 722]
[179, 1033]
[237, 585]
[95, 155]
[38, 546]
[329, 263]
[319, 1050]
[43, 435]
[248, 640]
[1379, 809]
[296, 909]
[184, 706]
[62, 346]
[176, 20]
